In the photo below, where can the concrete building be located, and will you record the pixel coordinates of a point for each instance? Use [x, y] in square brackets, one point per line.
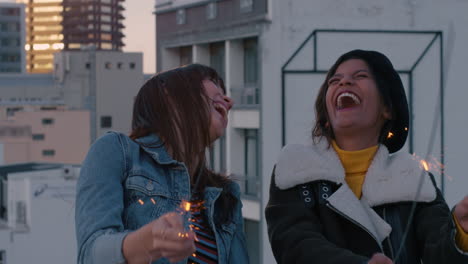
[103, 82]
[55, 25]
[296, 41]
[28, 89]
[54, 135]
[37, 213]
[12, 38]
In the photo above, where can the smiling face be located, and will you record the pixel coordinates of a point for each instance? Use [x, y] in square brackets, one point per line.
[220, 105]
[353, 102]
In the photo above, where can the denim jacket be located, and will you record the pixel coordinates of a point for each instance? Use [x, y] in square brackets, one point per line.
[123, 186]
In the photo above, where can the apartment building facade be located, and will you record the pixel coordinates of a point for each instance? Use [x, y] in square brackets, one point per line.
[12, 38]
[55, 25]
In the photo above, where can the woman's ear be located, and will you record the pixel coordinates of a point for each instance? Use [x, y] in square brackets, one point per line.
[387, 114]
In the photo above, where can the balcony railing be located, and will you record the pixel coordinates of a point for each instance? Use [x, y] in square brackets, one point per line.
[246, 97]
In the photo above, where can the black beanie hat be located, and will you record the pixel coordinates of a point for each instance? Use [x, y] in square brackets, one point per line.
[395, 131]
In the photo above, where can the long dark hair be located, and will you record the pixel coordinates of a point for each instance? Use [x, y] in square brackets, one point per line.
[174, 106]
[391, 91]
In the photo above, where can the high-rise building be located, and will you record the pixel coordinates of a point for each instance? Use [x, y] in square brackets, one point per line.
[12, 54]
[93, 22]
[54, 25]
[43, 33]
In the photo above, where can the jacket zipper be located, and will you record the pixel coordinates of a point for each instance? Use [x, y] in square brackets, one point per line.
[392, 254]
[356, 223]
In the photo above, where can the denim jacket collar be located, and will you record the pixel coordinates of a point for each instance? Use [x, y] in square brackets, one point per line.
[154, 146]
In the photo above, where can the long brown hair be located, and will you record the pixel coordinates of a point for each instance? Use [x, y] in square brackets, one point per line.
[174, 106]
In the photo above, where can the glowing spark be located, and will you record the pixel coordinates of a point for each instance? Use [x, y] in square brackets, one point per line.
[153, 201]
[406, 129]
[186, 205]
[194, 255]
[424, 164]
[390, 135]
[141, 202]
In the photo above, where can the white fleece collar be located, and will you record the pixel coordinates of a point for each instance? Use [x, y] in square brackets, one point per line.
[389, 179]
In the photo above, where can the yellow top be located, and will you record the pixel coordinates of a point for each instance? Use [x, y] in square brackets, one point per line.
[356, 163]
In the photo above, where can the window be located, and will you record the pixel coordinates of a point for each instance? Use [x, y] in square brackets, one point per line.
[106, 121]
[106, 46]
[250, 92]
[3, 198]
[211, 11]
[9, 11]
[132, 65]
[47, 9]
[106, 27]
[88, 65]
[180, 17]
[119, 65]
[21, 213]
[48, 152]
[217, 58]
[47, 121]
[105, 18]
[218, 155]
[246, 6]
[2, 257]
[12, 110]
[108, 65]
[250, 61]
[106, 9]
[185, 55]
[251, 169]
[106, 36]
[38, 137]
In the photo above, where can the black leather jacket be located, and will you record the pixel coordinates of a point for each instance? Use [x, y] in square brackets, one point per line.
[307, 229]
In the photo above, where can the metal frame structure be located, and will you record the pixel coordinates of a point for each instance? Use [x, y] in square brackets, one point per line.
[437, 35]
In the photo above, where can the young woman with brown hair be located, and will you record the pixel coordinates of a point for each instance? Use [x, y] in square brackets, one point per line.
[135, 191]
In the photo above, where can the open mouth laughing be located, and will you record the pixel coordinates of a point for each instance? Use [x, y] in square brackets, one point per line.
[347, 99]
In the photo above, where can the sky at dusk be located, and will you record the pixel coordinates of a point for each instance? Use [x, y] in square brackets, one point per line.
[140, 31]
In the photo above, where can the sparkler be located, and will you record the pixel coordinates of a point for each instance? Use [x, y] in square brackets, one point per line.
[390, 135]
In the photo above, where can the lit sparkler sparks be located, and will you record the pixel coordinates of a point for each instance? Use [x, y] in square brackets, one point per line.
[390, 135]
[424, 164]
[431, 164]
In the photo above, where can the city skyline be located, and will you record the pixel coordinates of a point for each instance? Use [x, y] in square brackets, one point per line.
[139, 30]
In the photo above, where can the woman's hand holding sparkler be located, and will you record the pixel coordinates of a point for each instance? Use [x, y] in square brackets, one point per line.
[164, 237]
[461, 213]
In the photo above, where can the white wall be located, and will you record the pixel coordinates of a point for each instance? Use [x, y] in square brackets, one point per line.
[117, 89]
[50, 236]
